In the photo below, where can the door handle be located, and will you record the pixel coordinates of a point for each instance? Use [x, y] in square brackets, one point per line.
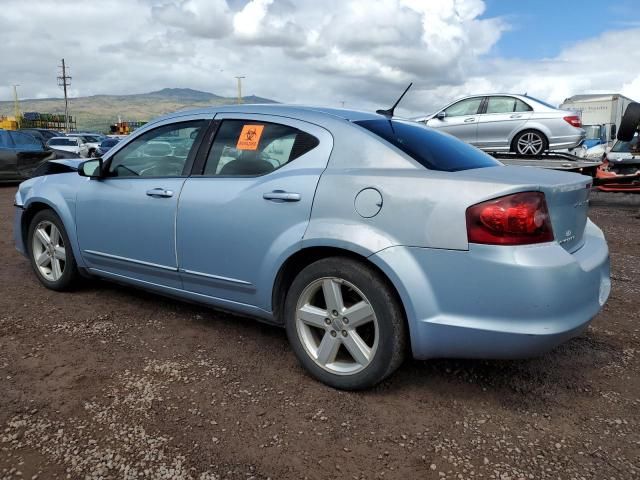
[469, 120]
[515, 116]
[282, 196]
[160, 193]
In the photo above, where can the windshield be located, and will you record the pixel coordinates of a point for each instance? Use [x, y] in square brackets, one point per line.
[627, 147]
[593, 132]
[432, 149]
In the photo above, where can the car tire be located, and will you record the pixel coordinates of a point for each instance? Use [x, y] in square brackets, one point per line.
[530, 142]
[50, 252]
[348, 354]
[629, 123]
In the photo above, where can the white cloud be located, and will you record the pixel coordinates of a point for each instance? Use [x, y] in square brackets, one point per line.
[359, 51]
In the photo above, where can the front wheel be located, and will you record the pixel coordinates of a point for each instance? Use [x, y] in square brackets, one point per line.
[50, 252]
[344, 323]
[530, 142]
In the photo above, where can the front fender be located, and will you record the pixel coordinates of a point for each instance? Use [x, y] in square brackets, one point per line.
[59, 196]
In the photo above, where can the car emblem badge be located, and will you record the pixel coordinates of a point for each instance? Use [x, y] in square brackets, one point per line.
[567, 233]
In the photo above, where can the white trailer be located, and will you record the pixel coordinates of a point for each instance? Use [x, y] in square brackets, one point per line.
[601, 115]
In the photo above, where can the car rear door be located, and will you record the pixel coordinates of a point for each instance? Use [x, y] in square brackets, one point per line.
[501, 117]
[246, 208]
[460, 120]
[126, 221]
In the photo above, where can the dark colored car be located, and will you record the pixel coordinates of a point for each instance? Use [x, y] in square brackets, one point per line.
[42, 133]
[620, 169]
[106, 145]
[20, 155]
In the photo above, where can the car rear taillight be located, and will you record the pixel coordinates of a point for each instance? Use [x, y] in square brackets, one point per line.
[518, 219]
[573, 120]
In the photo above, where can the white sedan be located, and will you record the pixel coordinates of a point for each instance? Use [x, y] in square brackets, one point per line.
[69, 144]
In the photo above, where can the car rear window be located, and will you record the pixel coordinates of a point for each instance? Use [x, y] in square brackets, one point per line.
[64, 142]
[433, 150]
[626, 147]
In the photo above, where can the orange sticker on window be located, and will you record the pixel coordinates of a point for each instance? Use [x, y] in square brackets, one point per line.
[250, 137]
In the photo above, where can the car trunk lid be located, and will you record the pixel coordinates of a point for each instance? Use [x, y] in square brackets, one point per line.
[566, 194]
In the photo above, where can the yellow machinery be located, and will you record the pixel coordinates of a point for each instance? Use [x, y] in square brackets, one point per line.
[8, 123]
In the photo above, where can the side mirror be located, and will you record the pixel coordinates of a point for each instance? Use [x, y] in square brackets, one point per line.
[441, 115]
[91, 168]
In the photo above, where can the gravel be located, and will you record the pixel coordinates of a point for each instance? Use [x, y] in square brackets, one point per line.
[111, 382]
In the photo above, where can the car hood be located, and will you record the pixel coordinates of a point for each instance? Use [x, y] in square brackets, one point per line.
[72, 163]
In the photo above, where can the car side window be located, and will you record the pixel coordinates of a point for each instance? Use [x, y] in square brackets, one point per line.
[251, 148]
[161, 152]
[522, 106]
[506, 105]
[5, 141]
[468, 106]
[25, 142]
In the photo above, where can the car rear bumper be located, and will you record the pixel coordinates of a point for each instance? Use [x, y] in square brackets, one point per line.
[617, 178]
[571, 141]
[498, 302]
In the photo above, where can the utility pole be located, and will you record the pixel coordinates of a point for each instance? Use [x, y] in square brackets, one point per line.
[342, 102]
[64, 81]
[16, 104]
[240, 87]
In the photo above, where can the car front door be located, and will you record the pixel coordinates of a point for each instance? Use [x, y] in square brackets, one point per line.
[126, 220]
[248, 206]
[502, 117]
[460, 119]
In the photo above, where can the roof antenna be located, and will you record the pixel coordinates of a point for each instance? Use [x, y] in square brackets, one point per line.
[389, 113]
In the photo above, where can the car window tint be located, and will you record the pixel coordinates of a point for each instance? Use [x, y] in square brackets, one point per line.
[625, 147]
[468, 106]
[432, 149]
[249, 148]
[25, 141]
[522, 106]
[501, 105]
[5, 141]
[161, 152]
[63, 142]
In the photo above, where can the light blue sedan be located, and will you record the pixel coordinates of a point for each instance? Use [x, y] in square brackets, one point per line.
[366, 236]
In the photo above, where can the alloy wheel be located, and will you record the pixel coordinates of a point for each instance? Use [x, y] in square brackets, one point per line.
[48, 251]
[530, 144]
[337, 326]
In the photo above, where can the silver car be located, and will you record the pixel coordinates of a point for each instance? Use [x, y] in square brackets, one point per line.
[506, 122]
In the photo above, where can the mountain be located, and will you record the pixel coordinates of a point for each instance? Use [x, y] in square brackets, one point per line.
[97, 112]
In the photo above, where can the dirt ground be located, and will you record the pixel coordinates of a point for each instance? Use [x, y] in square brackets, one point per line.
[112, 382]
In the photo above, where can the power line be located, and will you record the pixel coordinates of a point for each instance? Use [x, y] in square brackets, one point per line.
[64, 81]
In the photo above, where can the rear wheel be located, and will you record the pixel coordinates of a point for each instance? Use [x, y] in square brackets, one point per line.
[530, 142]
[50, 252]
[629, 123]
[345, 324]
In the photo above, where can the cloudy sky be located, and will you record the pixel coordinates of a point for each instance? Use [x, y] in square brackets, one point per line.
[361, 52]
